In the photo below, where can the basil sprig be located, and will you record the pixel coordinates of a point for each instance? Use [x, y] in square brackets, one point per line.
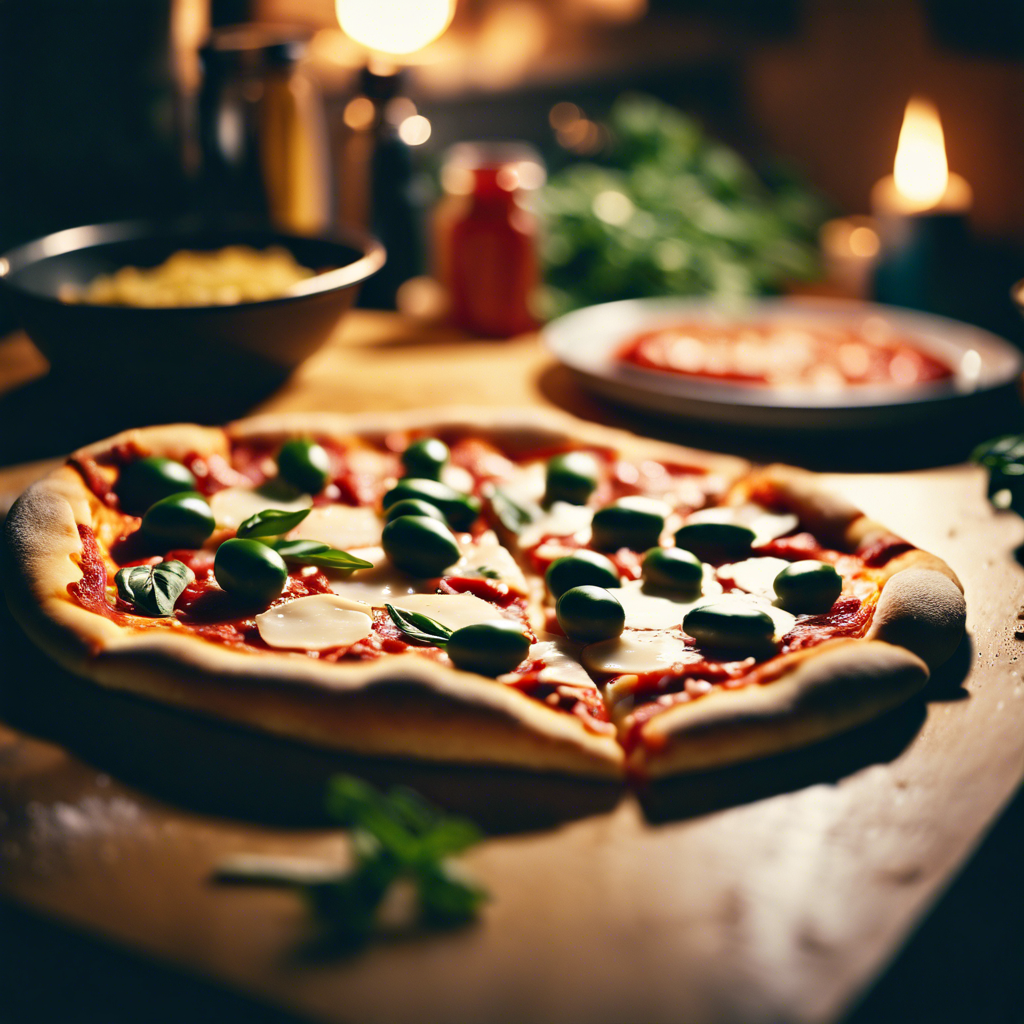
[1003, 457]
[314, 552]
[153, 589]
[420, 627]
[511, 514]
[271, 522]
[396, 836]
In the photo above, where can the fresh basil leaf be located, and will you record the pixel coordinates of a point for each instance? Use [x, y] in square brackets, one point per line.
[271, 522]
[420, 627]
[488, 573]
[153, 589]
[511, 514]
[446, 896]
[449, 836]
[314, 552]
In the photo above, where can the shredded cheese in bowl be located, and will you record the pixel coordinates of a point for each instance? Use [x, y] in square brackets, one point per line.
[237, 273]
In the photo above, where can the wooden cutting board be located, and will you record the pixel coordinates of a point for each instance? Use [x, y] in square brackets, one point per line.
[769, 892]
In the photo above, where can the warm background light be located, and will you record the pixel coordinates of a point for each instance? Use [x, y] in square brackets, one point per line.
[397, 27]
[920, 171]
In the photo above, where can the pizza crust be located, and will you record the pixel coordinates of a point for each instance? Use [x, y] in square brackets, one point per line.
[822, 691]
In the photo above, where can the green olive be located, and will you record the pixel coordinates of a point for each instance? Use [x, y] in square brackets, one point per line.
[810, 587]
[425, 458]
[490, 648]
[414, 507]
[145, 481]
[673, 569]
[634, 522]
[590, 614]
[179, 521]
[461, 510]
[582, 568]
[249, 571]
[419, 545]
[715, 542]
[731, 626]
[571, 477]
[304, 465]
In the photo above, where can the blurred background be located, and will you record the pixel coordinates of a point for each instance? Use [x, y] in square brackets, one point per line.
[785, 115]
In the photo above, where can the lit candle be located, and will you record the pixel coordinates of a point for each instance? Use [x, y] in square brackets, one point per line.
[921, 181]
[921, 211]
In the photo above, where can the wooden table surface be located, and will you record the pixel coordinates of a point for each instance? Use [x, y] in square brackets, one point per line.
[775, 891]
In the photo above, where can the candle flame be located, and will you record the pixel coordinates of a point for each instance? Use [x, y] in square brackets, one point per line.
[920, 171]
[396, 27]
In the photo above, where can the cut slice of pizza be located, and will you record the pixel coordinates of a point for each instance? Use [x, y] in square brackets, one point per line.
[304, 574]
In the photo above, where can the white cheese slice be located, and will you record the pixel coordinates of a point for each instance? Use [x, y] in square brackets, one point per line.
[638, 652]
[341, 526]
[451, 610]
[755, 575]
[526, 486]
[561, 662]
[648, 607]
[487, 552]
[232, 506]
[560, 520]
[315, 623]
[458, 479]
[766, 525]
[378, 586]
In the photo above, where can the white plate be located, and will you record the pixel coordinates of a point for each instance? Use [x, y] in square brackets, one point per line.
[587, 340]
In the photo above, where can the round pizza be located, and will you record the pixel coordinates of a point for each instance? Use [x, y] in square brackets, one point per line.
[510, 588]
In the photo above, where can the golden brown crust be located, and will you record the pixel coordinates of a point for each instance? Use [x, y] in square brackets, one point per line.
[823, 690]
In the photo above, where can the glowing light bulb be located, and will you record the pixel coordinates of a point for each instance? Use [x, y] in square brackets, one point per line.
[395, 27]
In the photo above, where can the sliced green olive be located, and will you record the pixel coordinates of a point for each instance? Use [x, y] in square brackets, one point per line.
[634, 522]
[425, 458]
[146, 481]
[414, 507]
[419, 545]
[305, 465]
[461, 510]
[249, 571]
[715, 542]
[571, 477]
[808, 587]
[580, 569]
[731, 626]
[590, 614]
[673, 569]
[490, 648]
[179, 521]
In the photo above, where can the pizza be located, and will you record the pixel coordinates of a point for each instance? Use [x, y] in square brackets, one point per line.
[476, 587]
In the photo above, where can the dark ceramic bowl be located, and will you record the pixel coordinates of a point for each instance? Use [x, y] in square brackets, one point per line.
[247, 347]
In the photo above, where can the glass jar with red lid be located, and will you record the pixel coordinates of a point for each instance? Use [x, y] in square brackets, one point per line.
[485, 237]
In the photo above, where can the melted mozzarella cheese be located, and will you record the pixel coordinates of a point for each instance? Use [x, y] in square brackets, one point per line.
[561, 662]
[315, 623]
[755, 575]
[766, 525]
[648, 607]
[487, 552]
[341, 526]
[560, 520]
[458, 479]
[637, 652]
[451, 610]
[232, 506]
[381, 585]
[526, 486]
